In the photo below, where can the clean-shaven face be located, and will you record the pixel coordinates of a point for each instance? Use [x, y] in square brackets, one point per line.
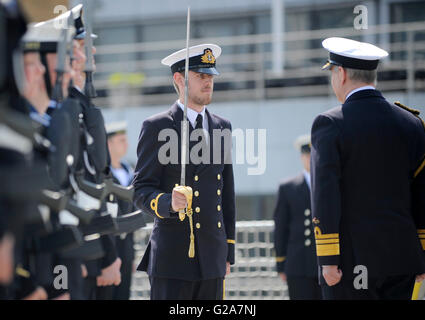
[336, 81]
[34, 72]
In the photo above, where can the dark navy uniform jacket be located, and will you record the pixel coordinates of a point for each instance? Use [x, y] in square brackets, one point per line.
[213, 205]
[293, 233]
[94, 267]
[368, 209]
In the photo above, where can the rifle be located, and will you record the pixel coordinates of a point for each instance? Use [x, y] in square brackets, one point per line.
[96, 155]
[89, 89]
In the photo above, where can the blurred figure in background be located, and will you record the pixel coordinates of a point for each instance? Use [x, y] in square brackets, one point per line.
[123, 174]
[294, 241]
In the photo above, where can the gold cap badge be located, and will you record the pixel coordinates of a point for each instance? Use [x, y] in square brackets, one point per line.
[208, 57]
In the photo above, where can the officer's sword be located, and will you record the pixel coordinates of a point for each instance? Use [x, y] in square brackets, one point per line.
[185, 126]
[185, 145]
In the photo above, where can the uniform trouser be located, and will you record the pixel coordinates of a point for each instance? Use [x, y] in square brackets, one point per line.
[175, 289]
[75, 278]
[385, 288]
[303, 288]
[93, 292]
[122, 291]
[90, 288]
[105, 293]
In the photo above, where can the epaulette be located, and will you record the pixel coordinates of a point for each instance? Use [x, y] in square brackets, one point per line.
[416, 113]
[411, 110]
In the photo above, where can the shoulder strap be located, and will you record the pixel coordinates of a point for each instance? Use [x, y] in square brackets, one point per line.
[416, 113]
[411, 110]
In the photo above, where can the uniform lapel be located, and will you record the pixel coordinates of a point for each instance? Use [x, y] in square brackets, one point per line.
[177, 114]
[212, 124]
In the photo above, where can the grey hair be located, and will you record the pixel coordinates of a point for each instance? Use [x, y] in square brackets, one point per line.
[365, 76]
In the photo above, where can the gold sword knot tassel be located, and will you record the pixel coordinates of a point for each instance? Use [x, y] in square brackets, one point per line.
[188, 193]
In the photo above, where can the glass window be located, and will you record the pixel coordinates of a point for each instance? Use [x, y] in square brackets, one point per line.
[407, 12]
[161, 32]
[115, 36]
[404, 13]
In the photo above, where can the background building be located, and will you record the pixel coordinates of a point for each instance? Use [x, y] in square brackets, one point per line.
[270, 68]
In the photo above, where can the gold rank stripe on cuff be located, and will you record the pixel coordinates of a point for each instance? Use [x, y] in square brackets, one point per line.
[22, 272]
[420, 168]
[421, 235]
[154, 205]
[329, 249]
[231, 241]
[326, 244]
[280, 259]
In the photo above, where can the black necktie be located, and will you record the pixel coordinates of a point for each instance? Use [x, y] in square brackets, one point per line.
[199, 122]
[199, 125]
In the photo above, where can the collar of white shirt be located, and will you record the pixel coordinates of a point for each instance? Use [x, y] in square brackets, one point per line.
[192, 114]
[307, 178]
[359, 89]
[78, 88]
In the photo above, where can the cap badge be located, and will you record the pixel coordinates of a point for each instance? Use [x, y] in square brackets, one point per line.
[208, 57]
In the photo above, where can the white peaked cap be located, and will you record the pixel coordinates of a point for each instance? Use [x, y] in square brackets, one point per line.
[115, 127]
[352, 54]
[301, 141]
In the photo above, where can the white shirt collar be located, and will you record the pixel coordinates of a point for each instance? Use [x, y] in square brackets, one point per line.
[360, 89]
[192, 114]
[78, 88]
[52, 104]
[307, 178]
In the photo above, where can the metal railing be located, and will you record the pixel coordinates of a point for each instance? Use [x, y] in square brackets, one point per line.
[253, 276]
[246, 62]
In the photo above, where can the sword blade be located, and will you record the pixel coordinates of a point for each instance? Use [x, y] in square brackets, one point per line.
[185, 123]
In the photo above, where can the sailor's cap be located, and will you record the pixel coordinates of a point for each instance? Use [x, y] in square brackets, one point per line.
[303, 143]
[352, 54]
[44, 36]
[202, 59]
[115, 127]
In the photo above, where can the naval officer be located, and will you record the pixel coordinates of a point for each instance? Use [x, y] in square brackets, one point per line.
[173, 272]
[368, 183]
[293, 233]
